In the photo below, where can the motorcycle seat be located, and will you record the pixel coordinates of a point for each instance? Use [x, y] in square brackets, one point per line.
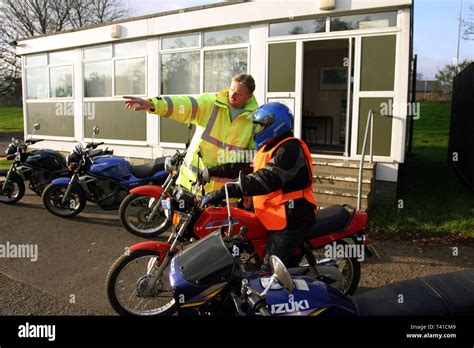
[147, 170]
[443, 294]
[328, 220]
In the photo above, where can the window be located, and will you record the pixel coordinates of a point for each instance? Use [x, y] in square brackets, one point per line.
[184, 41]
[107, 73]
[49, 80]
[97, 80]
[127, 49]
[61, 58]
[298, 27]
[226, 37]
[103, 52]
[221, 65]
[56, 118]
[130, 76]
[40, 59]
[112, 71]
[364, 21]
[180, 73]
[37, 83]
[61, 82]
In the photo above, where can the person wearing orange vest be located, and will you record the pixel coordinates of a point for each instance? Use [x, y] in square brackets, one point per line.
[280, 183]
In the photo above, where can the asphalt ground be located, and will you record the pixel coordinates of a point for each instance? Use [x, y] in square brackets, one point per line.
[74, 256]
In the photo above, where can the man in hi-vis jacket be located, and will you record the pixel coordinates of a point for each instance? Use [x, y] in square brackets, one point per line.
[223, 132]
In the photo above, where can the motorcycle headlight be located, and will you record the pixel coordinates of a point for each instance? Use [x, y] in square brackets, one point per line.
[167, 208]
[11, 150]
[168, 165]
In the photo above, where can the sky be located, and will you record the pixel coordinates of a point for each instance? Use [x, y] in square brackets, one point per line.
[436, 28]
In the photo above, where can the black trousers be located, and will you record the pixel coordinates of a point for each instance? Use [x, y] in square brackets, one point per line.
[283, 243]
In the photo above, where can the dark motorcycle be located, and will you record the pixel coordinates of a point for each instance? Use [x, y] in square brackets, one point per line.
[104, 180]
[38, 167]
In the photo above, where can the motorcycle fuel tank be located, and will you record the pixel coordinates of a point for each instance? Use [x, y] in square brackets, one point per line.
[49, 160]
[214, 218]
[110, 166]
[309, 298]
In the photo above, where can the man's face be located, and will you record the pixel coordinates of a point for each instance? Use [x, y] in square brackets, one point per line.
[238, 94]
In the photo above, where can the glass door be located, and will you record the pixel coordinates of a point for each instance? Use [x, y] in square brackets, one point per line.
[326, 95]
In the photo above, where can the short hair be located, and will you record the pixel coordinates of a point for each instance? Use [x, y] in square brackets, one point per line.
[247, 80]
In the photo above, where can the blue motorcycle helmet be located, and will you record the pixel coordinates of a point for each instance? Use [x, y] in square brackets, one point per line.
[274, 119]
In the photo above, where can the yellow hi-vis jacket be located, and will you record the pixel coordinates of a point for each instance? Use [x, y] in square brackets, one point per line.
[219, 139]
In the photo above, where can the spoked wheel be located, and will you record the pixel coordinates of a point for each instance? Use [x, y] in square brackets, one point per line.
[134, 212]
[14, 190]
[347, 269]
[52, 200]
[127, 281]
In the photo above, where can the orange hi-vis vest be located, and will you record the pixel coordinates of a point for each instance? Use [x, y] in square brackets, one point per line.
[270, 208]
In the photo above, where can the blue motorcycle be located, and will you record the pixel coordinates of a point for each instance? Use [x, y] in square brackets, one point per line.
[208, 278]
[104, 180]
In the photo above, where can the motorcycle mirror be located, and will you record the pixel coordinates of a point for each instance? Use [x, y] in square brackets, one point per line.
[37, 126]
[241, 180]
[205, 175]
[281, 273]
[168, 164]
[95, 130]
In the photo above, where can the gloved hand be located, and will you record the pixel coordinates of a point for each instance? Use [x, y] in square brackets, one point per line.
[215, 197]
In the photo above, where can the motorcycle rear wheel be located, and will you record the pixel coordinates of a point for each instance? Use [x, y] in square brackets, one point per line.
[14, 191]
[133, 212]
[52, 196]
[348, 266]
[124, 295]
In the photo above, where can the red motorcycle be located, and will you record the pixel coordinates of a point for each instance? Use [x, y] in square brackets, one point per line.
[138, 284]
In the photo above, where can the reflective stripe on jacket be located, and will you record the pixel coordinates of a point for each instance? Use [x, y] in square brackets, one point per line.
[270, 208]
[219, 139]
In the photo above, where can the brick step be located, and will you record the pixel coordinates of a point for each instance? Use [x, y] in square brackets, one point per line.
[367, 178]
[343, 171]
[325, 201]
[334, 191]
[340, 183]
[341, 188]
[342, 163]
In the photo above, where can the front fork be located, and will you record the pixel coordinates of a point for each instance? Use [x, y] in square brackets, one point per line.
[167, 185]
[69, 188]
[9, 174]
[159, 273]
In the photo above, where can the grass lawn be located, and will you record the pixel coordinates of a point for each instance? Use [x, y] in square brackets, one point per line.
[11, 120]
[4, 164]
[436, 203]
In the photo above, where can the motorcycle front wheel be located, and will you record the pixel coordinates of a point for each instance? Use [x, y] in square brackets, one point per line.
[133, 214]
[14, 190]
[348, 269]
[127, 279]
[53, 196]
